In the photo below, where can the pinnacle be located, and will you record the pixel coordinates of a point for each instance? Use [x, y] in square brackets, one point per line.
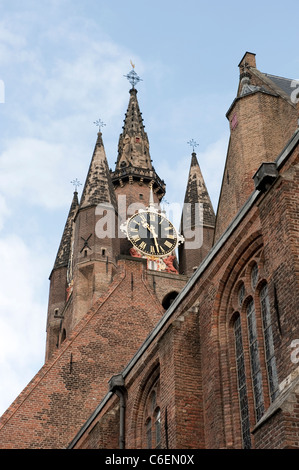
[64, 249]
[133, 146]
[196, 192]
[98, 186]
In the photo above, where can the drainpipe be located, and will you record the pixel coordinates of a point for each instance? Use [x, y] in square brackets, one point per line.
[117, 386]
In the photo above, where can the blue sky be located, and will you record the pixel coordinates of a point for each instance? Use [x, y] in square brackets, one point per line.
[62, 63]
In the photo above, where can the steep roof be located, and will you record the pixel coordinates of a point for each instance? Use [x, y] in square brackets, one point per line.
[285, 84]
[196, 192]
[64, 249]
[133, 145]
[59, 399]
[134, 162]
[98, 186]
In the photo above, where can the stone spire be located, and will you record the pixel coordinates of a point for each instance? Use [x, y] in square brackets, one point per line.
[64, 249]
[196, 192]
[198, 221]
[134, 162]
[98, 187]
[133, 146]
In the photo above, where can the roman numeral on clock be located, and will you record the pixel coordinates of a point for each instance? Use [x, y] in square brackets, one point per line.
[142, 246]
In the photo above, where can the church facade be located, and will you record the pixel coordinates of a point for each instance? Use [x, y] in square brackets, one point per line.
[149, 350]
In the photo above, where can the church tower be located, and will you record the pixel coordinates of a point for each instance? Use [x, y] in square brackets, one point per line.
[134, 175]
[86, 259]
[92, 244]
[142, 353]
[262, 118]
[60, 280]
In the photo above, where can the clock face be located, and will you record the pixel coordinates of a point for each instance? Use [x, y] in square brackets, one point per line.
[152, 234]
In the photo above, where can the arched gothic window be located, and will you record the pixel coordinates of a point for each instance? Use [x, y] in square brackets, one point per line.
[253, 333]
[152, 424]
[256, 374]
[242, 388]
[269, 344]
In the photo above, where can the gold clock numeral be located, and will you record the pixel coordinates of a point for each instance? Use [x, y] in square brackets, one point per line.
[171, 236]
[136, 238]
[168, 244]
[142, 246]
[134, 229]
[152, 250]
[152, 217]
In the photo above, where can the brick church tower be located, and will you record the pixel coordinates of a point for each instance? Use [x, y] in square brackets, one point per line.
[97, 283]
[147, 349]
[87, 258]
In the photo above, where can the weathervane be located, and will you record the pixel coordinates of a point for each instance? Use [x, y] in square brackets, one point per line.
[99, 123]
[193, 144]
[132, 76]
[76, 183]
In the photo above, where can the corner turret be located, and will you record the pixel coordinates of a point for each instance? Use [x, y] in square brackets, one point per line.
[198, 221]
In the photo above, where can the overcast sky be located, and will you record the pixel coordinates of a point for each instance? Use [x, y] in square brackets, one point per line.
[62, 66]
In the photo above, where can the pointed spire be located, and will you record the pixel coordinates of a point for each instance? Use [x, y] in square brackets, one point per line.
[196, 192]
[98, 186]
[64, 249]
[198, 221]
[134, 163]
[133, 146]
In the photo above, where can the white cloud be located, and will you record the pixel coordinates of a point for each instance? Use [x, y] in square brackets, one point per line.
[22, 317]
[211, 162]
[4, 211]
[36, 171]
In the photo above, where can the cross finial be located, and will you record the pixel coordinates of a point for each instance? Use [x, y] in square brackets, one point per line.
[244, 66]
[193, 144]
[132, 76]
[76, 183]
[99, 123]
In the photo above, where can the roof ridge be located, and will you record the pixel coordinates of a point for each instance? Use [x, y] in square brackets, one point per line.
[276, 76]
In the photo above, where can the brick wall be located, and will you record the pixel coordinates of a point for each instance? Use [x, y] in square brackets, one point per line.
[49, 412]
[265, 122]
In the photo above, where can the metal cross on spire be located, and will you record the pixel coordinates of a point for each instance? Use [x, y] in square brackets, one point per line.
[132, 76]
[99, 123]
[193, 144]
[76, 183]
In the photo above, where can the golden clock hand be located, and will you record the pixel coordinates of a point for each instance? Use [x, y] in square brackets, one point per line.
[156, 243]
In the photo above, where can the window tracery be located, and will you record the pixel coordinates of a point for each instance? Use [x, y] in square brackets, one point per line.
[254, 345]
[152, 423]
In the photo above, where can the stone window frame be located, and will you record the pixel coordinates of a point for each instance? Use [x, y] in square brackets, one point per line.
[252, 296]
[152, 417]
[150, 377]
